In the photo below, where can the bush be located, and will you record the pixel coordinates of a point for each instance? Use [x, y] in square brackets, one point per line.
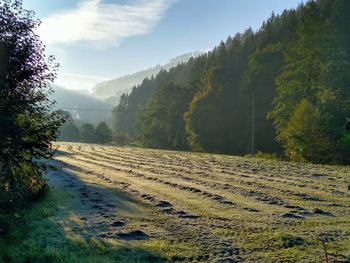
[267, 156]
[19, 184]
[121, 139]
[263, 155]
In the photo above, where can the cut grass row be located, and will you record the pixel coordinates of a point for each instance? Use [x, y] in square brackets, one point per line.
[260, 236]
[261, 187]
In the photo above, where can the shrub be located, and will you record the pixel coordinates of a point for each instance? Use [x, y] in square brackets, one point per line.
[121, 139]
[267, 156]
[20, 183]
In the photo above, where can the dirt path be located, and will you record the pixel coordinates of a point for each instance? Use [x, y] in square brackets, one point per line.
[231, 209]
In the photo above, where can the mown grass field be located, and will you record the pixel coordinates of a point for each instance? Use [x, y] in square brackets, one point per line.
[112, 204]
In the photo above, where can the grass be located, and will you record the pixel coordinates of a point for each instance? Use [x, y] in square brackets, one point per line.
[40, 236]
[262, 236]
[264, 193]
[263, 155]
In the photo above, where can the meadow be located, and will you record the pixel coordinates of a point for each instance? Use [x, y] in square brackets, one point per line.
[124, 204]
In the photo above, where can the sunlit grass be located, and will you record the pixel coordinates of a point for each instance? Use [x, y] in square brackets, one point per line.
[40, 237]
[261, 236]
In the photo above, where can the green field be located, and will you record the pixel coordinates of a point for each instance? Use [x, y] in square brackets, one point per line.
[111, 204]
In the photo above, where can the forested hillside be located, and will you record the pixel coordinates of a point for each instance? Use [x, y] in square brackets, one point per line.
[116, 87]
[284, 88]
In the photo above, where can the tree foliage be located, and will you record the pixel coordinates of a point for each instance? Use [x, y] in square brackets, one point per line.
[296, 63]
[87, 133]
[68, 132]
[304, 137]
[28, 124]
[103, 134]
[316, 70]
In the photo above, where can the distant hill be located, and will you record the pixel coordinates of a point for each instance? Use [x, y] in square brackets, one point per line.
[74, 102]
[116, 87]
[91, 108]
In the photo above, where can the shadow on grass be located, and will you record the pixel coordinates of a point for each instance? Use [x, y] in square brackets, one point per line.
[58, 152]
[42, 235]
[70, 182]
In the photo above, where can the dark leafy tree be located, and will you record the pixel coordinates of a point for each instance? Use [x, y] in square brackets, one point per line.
[305, 138]
[87, 133]
[69, 132]
[28, 124]
[103, 134]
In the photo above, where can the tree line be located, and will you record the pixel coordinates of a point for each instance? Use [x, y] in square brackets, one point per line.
[86, 133]
[284, 89]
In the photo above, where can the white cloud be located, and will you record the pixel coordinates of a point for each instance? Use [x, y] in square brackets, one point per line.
[99, 24]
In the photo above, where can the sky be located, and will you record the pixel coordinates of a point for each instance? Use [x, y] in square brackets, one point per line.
[97, 40]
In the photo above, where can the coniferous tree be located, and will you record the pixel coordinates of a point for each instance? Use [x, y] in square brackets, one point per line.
[302, 54]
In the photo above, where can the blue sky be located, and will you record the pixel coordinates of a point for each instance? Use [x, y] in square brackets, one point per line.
[95, 40]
